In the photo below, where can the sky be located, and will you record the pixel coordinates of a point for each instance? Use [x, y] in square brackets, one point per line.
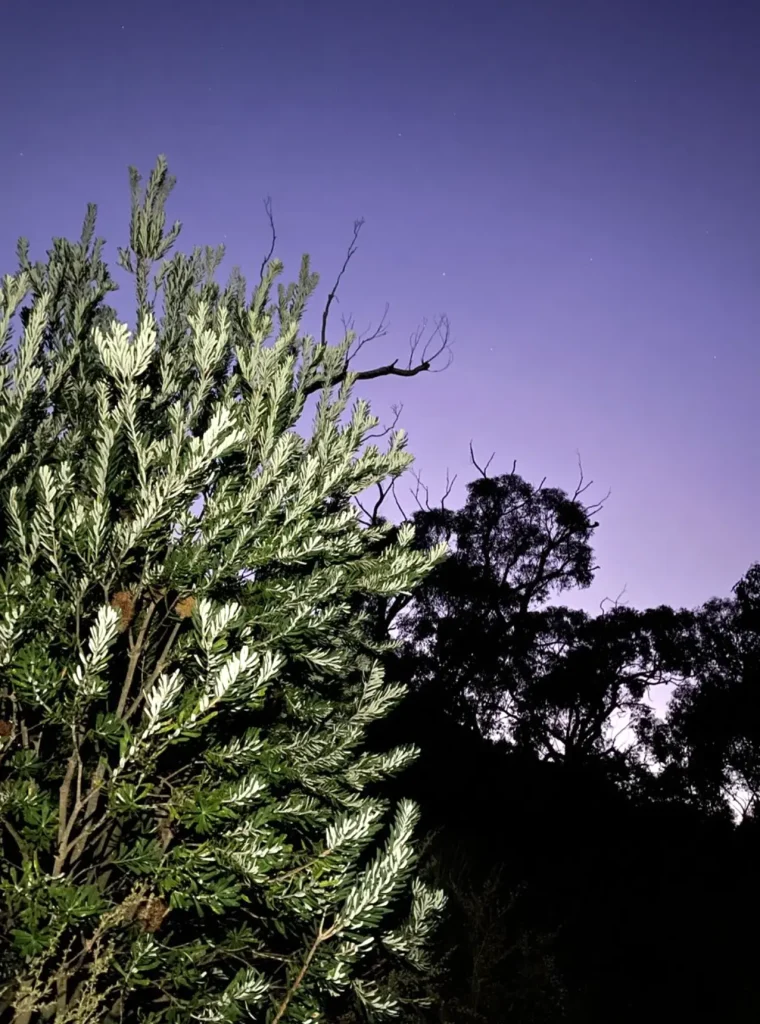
[575, 183]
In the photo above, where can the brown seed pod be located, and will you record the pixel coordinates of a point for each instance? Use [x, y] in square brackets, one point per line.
[184, 607]
[124, 602]
[6, 728]
[151, 914]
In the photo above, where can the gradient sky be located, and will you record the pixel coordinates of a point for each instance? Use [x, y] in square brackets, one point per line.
[576, 183]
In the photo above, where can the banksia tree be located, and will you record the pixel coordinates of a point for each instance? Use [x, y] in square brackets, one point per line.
[190, 827]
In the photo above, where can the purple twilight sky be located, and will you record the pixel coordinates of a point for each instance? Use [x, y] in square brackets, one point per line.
[576, 183]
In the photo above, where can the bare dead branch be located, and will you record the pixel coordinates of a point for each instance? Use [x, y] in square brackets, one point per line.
[369, 335]
[382, 494]
[581, 487]
[483, 470]
[389, 370]
[437, 343]
[590, 510]
[361, 506]
[402, 510]
[421, 355]
[372, 517]
[449, 487]
[427, 507]
[396, 410]
[416, 493]
[390, 490]
[615, 603]
[270, 218]
[358, 224]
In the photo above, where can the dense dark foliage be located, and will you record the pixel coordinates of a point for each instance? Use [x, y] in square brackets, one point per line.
[600, 858]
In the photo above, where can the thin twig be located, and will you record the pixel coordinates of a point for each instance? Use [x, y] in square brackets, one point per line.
[270, 218]
[358, 224]
[134, 657]
[321, 937]
[161, 665]
[483, 470]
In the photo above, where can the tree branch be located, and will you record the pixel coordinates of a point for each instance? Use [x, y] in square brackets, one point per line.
[427, 507]
[163, 661]
[321, 937]
[483, 470]
[419, 361]
[270, 218]
[136, 650]
[358, 224]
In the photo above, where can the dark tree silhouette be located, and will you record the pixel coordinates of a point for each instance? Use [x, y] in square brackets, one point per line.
[467, 630]
[709, 745]
[600, 860]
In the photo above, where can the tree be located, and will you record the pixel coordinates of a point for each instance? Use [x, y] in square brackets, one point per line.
[513, 545]
[189, 827]
[585, 682]
[529, 911]
[709, 746]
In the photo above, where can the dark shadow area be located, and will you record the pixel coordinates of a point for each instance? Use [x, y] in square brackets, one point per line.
[600, 860]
